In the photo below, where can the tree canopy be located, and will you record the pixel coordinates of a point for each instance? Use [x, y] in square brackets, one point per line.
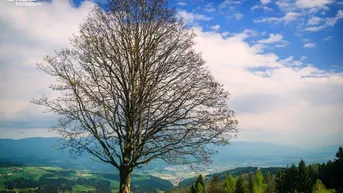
[132, 89]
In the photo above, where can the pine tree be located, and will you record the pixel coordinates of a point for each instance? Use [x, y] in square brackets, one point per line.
[291, 179]
[339, 154]
[338, 170]
[280, 182]
[303, 179]
[258, 185]
[199, 186]
[230, 184]
[242, 185]
[214, 186]
[270, 181]
[319, 187]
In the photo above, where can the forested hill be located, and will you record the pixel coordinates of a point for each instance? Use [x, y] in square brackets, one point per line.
[234, 172]
[306, 178]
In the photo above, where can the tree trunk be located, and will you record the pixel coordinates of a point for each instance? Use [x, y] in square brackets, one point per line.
[125, 179]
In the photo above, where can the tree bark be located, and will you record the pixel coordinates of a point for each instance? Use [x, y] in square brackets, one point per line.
[125, 179]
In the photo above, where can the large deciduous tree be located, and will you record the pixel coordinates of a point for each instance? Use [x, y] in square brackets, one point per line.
[132, 89]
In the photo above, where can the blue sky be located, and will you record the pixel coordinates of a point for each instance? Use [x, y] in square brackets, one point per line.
[280, 60]
[298, 23]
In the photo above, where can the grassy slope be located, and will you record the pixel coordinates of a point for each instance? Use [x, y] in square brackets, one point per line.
[148, 183]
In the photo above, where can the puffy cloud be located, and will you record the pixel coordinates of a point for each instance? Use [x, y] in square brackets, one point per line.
[303, 58]
[268, 92]
[264, 2]
[328, 22]
[268, 20]
[327, 38]
[314, 20]
[227, 3]
[273, 39]
[310, 45]
[209, 8]
[313, 3]
[215, 27]
[189, 17]
[271, 96]
[310, 5]
[290, 16]
[28, 34]
[238, 16]
[263, 7]
[181, 3]
[291, 62]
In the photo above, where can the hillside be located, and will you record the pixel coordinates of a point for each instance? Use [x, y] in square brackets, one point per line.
[234, 172]
[52, 179]
[39, 152]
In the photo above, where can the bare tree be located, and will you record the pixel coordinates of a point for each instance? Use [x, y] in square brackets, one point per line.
[132, 89]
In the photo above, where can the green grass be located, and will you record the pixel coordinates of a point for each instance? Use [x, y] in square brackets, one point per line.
[114, 184]
[82, 188]
[2, 182]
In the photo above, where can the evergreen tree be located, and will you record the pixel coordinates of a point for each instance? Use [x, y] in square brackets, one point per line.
[214, 186]
[193, 189]
[280, 182]
[250, 182]
[303, 180]
[319, 187]
[313, 170]
[242, 185]
[338, 170]
[287, 180]
[258, 185]
[270, 181]
[339, 154]
[199, 186]
[230, 184]
[291, 179]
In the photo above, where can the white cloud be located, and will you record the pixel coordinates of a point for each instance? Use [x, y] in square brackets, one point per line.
[310, 45]
[189, 17]
[24, 44]
[215, 27]
[273, 39]
[303, 58]
[314, 20]
[238, 16]
[227, 3]
[263, 7]
[291, 62]
[264, 2]
[327, 38]
[289, 17]
[310, 6]
[273, 95]
[209, 8]
[328, 22]
[313, 3]
[267, 92]
[181, 3]
[268, 20]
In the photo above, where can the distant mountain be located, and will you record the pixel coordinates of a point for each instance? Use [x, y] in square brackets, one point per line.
[269, 154]
[39, 151]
